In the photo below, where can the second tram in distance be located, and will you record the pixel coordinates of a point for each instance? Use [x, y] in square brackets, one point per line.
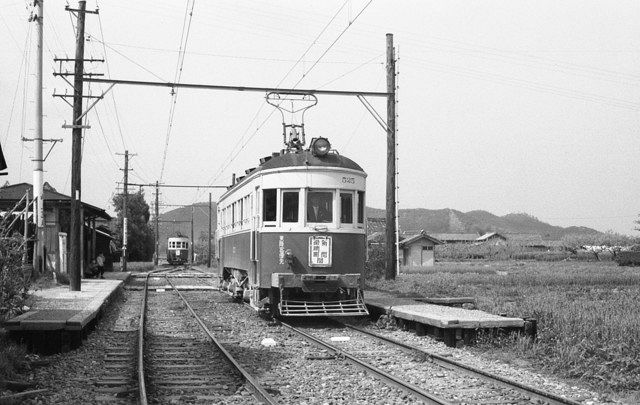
[291, 234]
[178, 250]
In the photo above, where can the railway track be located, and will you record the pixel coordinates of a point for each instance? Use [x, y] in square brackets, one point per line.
[426, 376]
[179, 359]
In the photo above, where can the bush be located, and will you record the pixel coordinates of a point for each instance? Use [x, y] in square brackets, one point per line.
[14, 284]
[12, 359]
[374, 268]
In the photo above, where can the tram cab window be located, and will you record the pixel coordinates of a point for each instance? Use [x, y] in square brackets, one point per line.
[290, 206]
[320, 206]
[360, 207]
[269, 205]
[346, 208]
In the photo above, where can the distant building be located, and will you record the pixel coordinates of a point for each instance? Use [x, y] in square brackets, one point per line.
[493, 237]
[536, 243]
[57, 223]
[417, 252]
[456, 237]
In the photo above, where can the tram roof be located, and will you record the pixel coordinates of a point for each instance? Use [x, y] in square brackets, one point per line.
[303, 158]
[306, 158]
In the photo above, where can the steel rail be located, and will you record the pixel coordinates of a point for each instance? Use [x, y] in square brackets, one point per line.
[448, 363]
[388, 378]
[260, 393]
[142, 388]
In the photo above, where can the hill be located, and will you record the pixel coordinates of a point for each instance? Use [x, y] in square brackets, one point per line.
[452, 221]
[179, 220]
[411, 220]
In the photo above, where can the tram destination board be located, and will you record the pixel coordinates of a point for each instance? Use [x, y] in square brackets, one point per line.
[320, 251]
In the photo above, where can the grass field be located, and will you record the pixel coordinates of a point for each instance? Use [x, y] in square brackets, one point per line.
[588, 314]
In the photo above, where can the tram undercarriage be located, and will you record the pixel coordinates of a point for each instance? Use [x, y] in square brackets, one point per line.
[300, 294]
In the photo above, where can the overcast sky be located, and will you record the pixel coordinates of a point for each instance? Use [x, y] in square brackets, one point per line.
[505, 106]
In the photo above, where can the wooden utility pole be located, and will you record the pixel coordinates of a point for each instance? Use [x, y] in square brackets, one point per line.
[193, 242]
[390, 251]
[124, 211]
[76, 155]
[209, 236]
[155, 259]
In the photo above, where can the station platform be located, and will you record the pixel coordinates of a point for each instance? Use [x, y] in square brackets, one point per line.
[455, 326]
[60, 318]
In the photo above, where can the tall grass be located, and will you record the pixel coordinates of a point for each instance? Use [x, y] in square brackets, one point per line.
[588, 313]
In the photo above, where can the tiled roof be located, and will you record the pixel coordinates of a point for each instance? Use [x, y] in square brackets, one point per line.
[13, 193]
[419, 236]
[490, 235]
[462, 237]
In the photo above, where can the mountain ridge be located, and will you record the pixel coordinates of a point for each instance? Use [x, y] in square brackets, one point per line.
[447, 220]
[411, 220]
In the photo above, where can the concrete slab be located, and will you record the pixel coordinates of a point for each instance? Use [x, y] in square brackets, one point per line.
[438, 316]
[58, 308]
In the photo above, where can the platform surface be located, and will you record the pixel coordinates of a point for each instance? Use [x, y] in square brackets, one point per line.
[58, 308]
[439, 316]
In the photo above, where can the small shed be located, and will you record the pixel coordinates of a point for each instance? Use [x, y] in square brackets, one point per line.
[493, 237]
[417, 253]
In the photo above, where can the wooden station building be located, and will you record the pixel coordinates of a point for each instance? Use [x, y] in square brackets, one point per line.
[57, 211]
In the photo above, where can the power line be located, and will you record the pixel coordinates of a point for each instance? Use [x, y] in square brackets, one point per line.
[312, 43]
[177, 76]
[15, 93]
[298, 82]
[92, 38]
[334, 42]
[227, 56]
[113, 99]
[505, 80]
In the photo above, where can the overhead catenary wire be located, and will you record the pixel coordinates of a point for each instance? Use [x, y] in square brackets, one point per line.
[184, 38]
[240, 141]
[297, 83]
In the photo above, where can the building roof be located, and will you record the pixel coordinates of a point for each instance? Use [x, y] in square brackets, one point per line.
[490, 235]
[457, 237]
[11, 194]
[376, 237]
[415, 238]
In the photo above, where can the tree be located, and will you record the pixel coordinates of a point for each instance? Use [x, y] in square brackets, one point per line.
[140, 236]
[599, 242]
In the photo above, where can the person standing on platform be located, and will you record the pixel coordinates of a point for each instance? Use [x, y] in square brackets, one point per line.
[100, 261]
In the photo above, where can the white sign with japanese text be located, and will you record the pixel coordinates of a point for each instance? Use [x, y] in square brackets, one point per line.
[320, 251]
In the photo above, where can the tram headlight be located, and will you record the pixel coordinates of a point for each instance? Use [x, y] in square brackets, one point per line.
[288, 256]
[320, 147]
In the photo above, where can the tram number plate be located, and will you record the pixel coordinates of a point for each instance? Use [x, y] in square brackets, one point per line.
[320, 251]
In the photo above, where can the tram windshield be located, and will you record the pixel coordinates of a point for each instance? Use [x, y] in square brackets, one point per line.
[319, 206]
[289, 206]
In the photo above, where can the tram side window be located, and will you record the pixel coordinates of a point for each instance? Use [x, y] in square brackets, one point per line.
[290, 206]
[269, 204]
[346, 208]
[320, 206]
[360, 207]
